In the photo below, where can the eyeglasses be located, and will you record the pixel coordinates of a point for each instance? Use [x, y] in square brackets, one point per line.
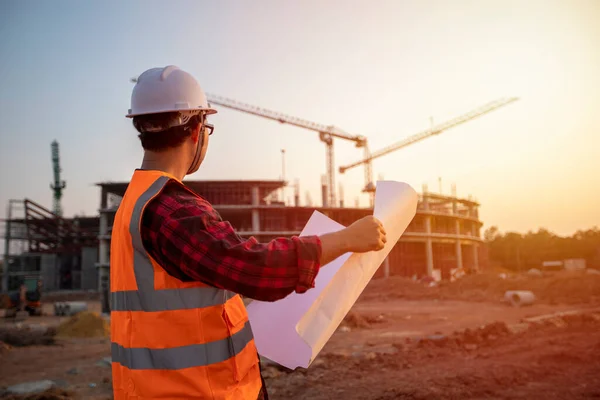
[210, 128]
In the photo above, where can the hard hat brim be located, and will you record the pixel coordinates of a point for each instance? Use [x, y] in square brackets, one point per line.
[207, 111]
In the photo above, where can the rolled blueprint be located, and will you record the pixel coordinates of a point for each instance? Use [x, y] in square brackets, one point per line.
[292, 331]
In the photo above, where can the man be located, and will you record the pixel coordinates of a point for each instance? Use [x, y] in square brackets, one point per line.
[179, 328]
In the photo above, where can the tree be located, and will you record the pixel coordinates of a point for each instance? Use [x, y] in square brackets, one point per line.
[490, 233]
[519, 252]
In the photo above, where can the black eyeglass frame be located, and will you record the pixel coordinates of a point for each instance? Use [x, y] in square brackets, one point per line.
[210, 128]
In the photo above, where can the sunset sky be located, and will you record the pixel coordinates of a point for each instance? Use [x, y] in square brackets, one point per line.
[382, 69]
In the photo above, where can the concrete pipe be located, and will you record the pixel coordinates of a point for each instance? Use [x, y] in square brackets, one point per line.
[59, 309]
[74, 307]
[519, 298]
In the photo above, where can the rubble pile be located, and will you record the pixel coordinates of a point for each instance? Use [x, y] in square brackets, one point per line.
[84, 325]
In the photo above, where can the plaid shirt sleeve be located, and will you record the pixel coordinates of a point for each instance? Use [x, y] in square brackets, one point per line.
[188, 238]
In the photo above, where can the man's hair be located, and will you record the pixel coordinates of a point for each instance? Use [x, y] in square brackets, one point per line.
[163, 139]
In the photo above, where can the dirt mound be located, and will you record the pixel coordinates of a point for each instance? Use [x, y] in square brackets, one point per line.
[84, 325]
[355, 320]
[477, 288]
[561, 287]
[20, 336]
[483, 334]
[564, 287]
[397, 287]
[468, 339]
[50, 394]
[489, 335]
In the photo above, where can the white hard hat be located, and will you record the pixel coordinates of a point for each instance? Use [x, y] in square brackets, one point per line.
[167, 89]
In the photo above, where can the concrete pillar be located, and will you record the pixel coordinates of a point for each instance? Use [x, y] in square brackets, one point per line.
[429, 246]
[255, 221]
[255, 196]
[475, 256]
[103, 246]
[7, 239]
[459, 262]
[428, 241]
[386, 267]
[255, 211]
[104, 262]
[325, 192]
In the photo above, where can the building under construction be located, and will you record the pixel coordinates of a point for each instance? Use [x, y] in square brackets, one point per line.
[444, 237]
[40, 244]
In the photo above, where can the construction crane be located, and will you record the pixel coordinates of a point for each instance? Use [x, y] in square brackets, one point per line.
[326, 134]
[58, 185]
[435, 130]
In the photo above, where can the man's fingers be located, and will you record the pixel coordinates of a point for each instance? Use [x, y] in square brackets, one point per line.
[382, 229]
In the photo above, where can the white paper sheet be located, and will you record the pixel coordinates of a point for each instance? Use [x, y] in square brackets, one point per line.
[292, 331]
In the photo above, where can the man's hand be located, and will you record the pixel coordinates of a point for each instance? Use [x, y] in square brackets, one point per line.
[366, 234]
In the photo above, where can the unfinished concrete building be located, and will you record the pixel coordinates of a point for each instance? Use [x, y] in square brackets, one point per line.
[444, 237]
[74, 254]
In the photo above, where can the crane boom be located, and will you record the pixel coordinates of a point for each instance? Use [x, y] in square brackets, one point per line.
[285, 119]
[326, 134]
[433, 131]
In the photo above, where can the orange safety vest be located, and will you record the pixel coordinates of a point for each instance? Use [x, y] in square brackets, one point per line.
[172, 339]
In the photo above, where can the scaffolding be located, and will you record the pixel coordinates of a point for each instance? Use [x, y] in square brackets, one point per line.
[39, 244]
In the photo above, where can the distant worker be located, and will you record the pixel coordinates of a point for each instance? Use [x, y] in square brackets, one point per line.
[179, 329]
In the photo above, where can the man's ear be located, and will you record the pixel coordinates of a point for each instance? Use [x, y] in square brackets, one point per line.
[196, 133]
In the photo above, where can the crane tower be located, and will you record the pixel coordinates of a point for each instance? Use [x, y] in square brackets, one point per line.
[58, 185]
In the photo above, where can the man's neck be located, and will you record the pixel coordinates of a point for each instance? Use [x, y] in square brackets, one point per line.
[168, 162]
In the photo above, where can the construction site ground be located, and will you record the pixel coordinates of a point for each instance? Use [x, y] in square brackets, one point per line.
[402, 340]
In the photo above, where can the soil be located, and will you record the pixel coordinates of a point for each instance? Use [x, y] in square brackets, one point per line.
[402, 340]
[563, 287]
[546, 362]
[50, 394]
[20, 335]
[74, 363]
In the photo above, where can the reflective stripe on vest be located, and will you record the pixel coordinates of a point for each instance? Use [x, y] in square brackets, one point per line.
[147, 299]
[194, 355]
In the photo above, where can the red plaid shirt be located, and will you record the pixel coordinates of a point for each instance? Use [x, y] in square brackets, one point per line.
[188, 238]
